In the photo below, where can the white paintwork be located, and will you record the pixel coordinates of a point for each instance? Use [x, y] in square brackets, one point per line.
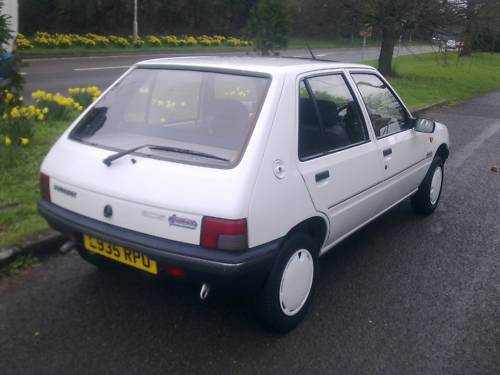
[296, 282]
[436, 183]
[272, 201]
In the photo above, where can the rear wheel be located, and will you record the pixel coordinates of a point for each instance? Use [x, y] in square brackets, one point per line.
[288, 292]
[426, 199]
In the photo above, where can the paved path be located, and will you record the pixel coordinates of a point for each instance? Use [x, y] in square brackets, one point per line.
[58, 74]
[405, 295]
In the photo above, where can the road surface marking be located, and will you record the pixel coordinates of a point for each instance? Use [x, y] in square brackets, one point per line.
[102, 68]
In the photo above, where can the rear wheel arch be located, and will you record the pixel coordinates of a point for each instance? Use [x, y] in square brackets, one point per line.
[315, 227]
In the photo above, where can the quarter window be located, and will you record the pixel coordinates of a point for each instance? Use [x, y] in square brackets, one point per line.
[386, 113]
[329, 117]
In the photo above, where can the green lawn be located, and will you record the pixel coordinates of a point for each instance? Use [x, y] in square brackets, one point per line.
[421, 80]
[297, 42]
[425, 79]
[19, 185]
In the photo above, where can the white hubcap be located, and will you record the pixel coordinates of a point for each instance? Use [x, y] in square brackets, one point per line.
[436, 182]
[296, 282]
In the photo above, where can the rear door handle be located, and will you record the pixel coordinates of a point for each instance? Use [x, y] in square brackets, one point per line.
[387, 151]
[322, 176]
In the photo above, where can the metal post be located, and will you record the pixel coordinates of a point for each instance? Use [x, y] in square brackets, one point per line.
[136, 25]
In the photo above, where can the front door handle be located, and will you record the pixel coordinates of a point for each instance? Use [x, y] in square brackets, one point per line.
[387, 151]
[322, 176]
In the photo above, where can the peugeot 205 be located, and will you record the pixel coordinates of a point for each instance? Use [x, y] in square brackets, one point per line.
[238, 172]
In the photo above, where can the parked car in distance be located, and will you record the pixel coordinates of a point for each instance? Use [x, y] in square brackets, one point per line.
[451, 44]
[238, 172]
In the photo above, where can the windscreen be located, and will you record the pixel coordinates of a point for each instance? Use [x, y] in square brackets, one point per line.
[208, 113]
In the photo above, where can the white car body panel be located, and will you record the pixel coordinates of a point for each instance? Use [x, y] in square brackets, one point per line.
[272, 205]
[277, 203]
[157, 184]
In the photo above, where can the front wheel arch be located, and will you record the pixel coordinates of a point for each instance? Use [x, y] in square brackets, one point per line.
[443, 151]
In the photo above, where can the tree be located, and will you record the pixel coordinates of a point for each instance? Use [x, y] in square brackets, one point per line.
[268, 26]
[10, 79]
[475, 15]
[5, 33]
[391, 18]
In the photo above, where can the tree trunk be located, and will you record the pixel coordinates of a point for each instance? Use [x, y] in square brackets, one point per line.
[387, 50]
[467, 46]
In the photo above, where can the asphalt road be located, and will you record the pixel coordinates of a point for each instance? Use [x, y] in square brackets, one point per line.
[58, 74]
[405, 295]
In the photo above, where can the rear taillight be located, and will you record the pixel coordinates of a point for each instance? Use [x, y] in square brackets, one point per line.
[45, 186]
[224, 234]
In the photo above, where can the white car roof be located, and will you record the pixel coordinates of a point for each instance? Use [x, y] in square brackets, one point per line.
[266, 65]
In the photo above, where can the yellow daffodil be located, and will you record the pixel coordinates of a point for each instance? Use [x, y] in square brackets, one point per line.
[7, 141]
[25, 141]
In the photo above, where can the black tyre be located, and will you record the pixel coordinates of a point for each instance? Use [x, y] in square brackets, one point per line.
[426, 199]
[288, 292]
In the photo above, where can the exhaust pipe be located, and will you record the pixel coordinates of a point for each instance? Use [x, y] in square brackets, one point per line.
[205, 290]
[67, 247]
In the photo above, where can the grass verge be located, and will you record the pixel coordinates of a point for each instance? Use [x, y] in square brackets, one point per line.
[293, 43]
[421, 80]
[17, 265]
[19, 182]
[113, 50]
[425, 79]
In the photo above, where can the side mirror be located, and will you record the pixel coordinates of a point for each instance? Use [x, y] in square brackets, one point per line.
[423, 125]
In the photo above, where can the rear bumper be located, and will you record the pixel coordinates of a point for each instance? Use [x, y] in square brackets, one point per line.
[228, 270]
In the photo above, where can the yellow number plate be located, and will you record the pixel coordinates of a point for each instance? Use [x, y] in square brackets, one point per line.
[120, 254]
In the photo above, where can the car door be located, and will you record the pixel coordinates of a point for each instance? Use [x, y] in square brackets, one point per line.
[338, 157]
[402, 151]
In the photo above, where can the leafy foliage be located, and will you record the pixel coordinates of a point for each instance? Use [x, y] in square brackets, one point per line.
[5, 33]
[10, 79]
[115, 16]
[17, 265]
[268, 25]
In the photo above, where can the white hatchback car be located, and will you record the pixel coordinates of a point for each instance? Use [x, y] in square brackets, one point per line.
[238, 172]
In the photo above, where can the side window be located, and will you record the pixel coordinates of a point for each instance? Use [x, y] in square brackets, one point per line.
[310, 136]
[386, 113]
[329, 117]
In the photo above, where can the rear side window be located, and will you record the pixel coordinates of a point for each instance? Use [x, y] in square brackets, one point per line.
[329, 116]
[387, 115]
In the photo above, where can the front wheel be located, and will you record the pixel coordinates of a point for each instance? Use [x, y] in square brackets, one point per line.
[287, 294]
[426, 199]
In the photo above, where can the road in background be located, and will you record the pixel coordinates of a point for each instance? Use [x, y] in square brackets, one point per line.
[59, 74]
[405, 295]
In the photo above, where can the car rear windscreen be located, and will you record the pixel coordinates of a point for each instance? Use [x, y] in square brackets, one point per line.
[205, 112]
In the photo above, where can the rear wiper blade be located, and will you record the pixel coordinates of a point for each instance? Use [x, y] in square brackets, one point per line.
[188, 152]
[110, 159]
